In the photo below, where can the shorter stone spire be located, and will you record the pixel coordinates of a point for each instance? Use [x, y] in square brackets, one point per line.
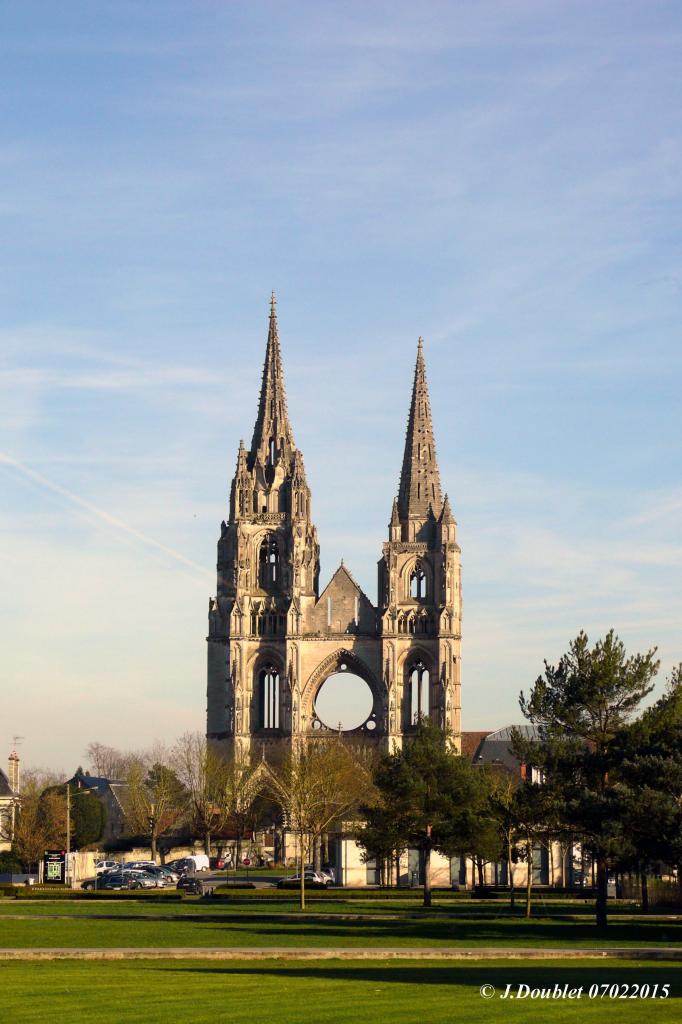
[273, 429]
[419, 479]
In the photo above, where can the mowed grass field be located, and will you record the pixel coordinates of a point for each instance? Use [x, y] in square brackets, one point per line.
[477, 909]
[25, 924]
[324, 992]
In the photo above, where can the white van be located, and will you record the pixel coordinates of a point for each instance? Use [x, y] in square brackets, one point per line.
[200, 861]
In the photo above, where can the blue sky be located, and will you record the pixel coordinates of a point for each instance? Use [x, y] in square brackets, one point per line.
[504, 178]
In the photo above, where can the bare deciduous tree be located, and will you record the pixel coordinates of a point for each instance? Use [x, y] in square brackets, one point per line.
[244, 783]
[107, 762]
[206, 777]
[320, 782]
[154, 799]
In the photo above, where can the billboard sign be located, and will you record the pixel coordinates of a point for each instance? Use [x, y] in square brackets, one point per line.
[54, 867]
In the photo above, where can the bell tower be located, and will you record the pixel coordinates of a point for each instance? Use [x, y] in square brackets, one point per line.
[420, 597]
[268, 569]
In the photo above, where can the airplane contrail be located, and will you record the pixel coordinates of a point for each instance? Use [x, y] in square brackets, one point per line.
[99, 513]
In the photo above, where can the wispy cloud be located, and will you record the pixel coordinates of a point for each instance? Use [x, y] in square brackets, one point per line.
[99, 513]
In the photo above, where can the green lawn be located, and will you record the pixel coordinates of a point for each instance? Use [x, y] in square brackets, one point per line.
[326, 992]
[76, 927]
[192, 905]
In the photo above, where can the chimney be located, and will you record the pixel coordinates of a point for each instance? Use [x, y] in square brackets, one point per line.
[13, 771]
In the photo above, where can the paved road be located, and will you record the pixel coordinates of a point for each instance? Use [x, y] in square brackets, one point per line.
[357, 953]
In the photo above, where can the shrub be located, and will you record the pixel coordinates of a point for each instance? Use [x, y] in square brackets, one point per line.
[10, 863]
[157, 895]
[236, 885]
[338, 894]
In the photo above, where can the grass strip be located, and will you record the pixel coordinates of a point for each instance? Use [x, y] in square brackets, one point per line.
[326, 992]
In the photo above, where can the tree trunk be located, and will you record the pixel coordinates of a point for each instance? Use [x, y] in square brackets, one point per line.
[317, 853]
[397, 867]
[152, 846]
[529, 875]
[644, 880]
[301, 866]
[427, 875]
[325, 848]
[207, 843]
[602, 892]
[479, 867]
[510, 872]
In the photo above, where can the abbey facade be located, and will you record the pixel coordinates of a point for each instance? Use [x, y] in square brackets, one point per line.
[274, 639]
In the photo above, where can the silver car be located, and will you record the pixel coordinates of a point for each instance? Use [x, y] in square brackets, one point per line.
[141, 880]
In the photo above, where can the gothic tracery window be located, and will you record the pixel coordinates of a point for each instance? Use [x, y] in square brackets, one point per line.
[418, 676]
[268, 691]
[269, 564]
[418, 583]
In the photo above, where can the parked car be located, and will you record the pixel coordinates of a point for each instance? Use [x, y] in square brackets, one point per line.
[106, 865]
[326, 873]
[114, 881]
[160, 875]
[192, 885]
[169, 873]
[199, 861]
[142, 880]
[313, 880]
[181, 865]
[192, 862]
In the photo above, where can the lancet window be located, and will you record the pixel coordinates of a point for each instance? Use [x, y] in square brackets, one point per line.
[418, 676]
[268, 686]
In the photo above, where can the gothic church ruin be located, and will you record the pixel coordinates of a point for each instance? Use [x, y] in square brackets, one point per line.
[274, 639]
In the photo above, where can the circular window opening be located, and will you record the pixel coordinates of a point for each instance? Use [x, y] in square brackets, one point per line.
[344, 701]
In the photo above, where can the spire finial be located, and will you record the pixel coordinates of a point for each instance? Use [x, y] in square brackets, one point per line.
[273, 303]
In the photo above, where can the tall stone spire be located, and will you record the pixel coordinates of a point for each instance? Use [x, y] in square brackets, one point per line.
[419, 489]
[272, 432]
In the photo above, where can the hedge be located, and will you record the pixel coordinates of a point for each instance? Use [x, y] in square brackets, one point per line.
[539, 892]
[225, 892]
[157, 895]
[236, 885]
[11, 888]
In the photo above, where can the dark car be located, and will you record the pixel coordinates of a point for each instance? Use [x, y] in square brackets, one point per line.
[192, 885]
[181, 866]
[117, 881]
